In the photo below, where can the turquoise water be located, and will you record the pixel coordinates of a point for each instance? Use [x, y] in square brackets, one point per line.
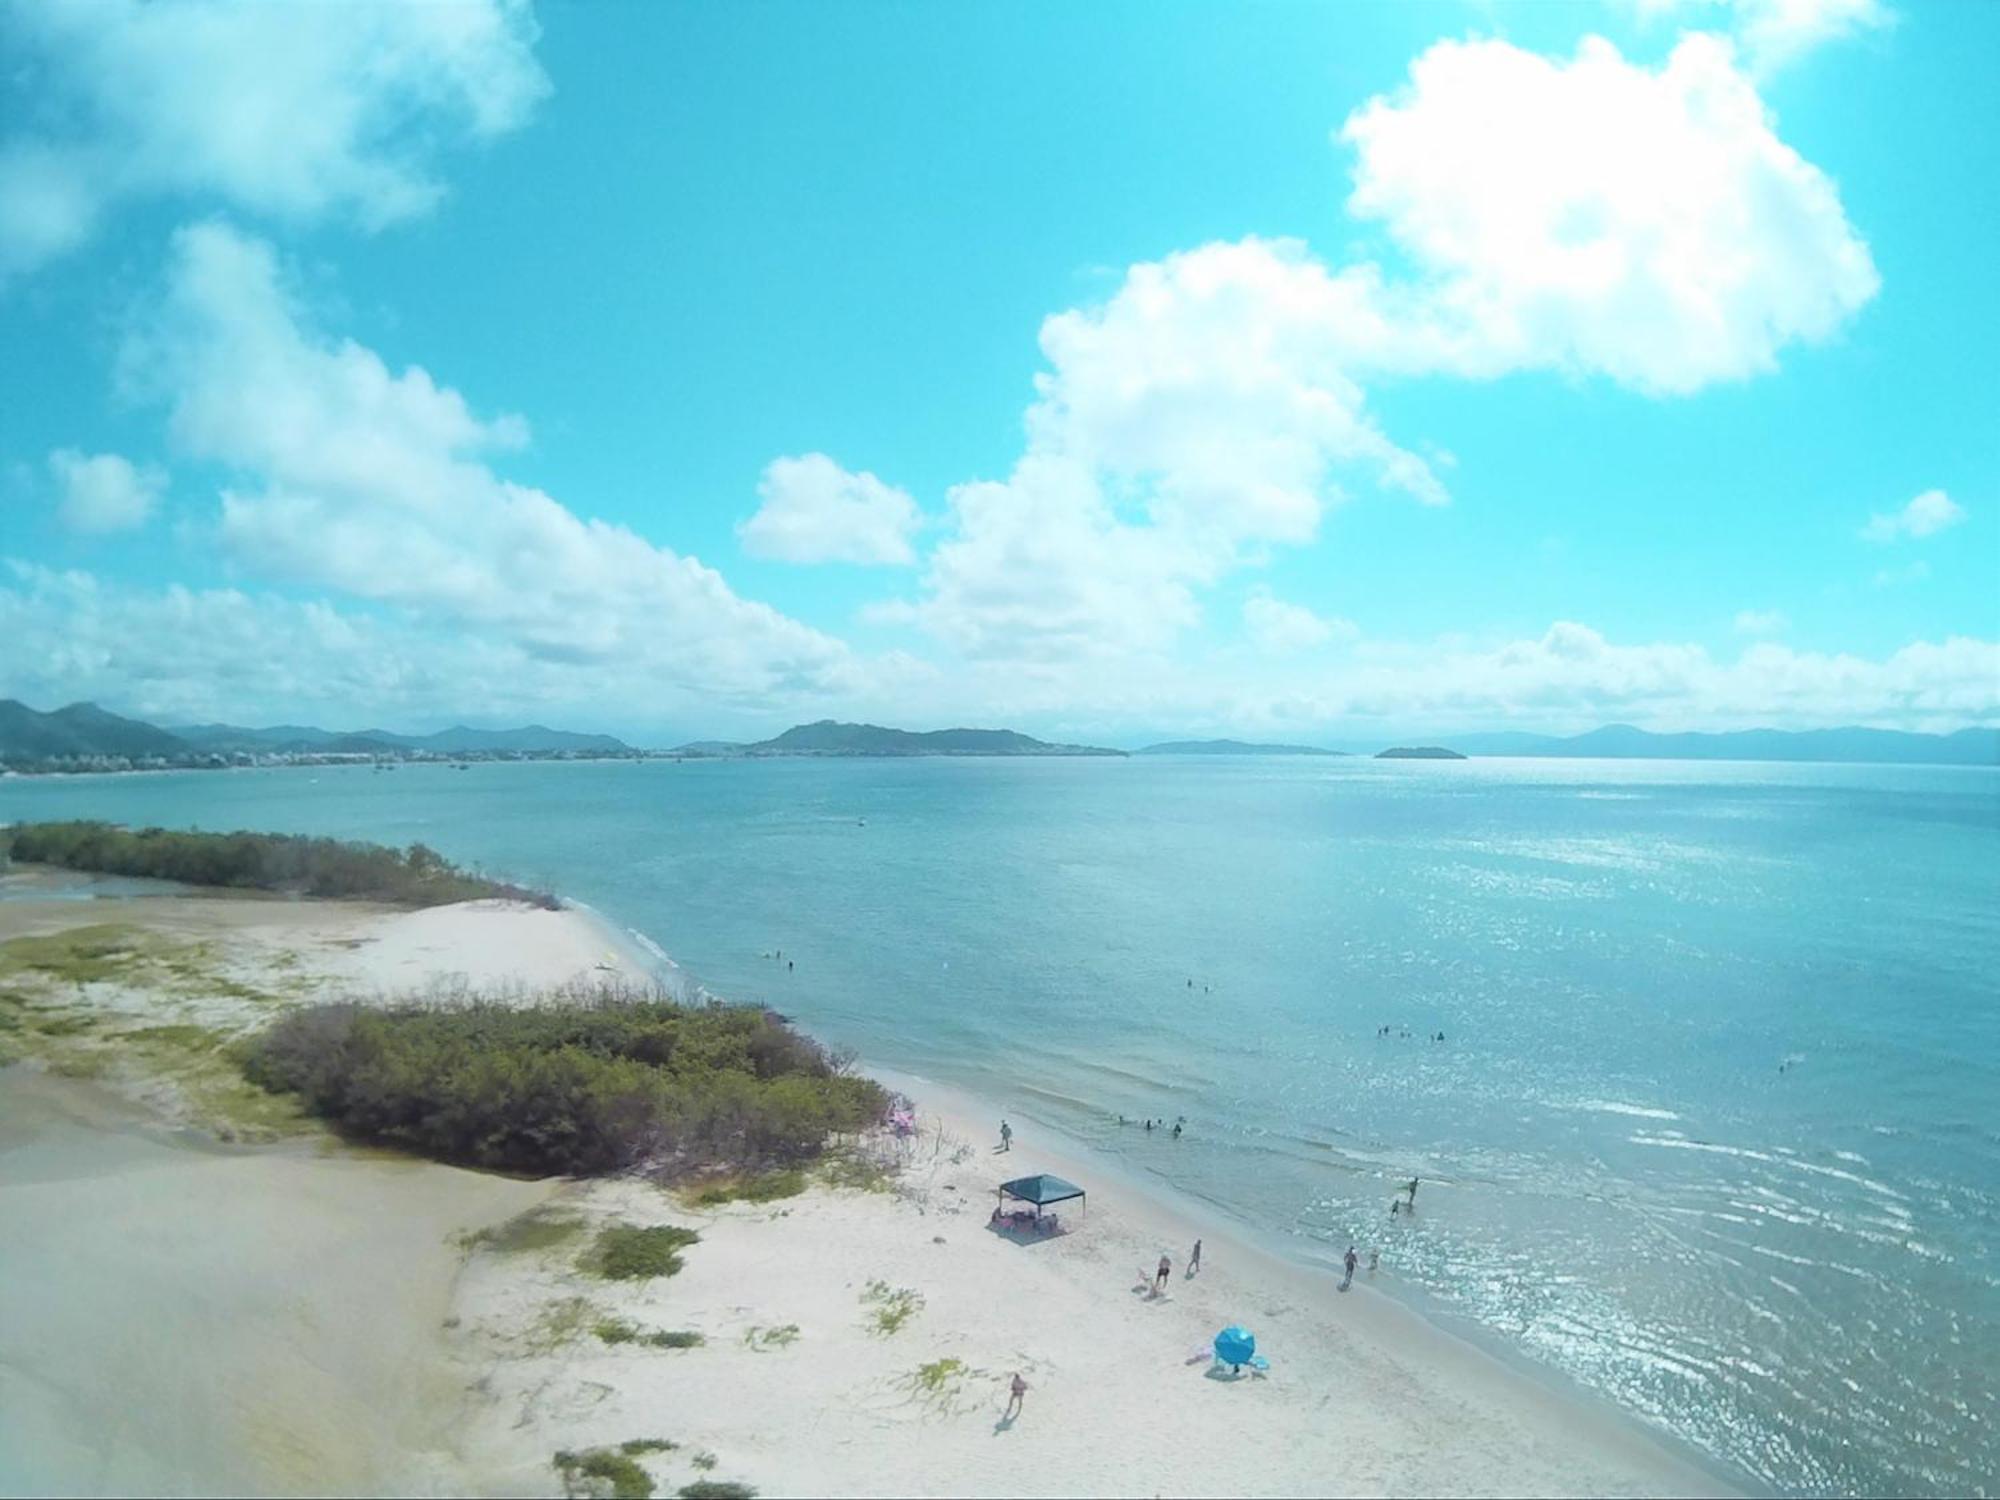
[1713, 1127]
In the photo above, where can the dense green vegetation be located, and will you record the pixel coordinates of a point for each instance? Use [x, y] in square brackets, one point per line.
[593, 1084]
[416, 876]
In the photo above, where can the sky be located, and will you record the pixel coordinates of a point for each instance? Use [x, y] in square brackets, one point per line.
[1122, 371]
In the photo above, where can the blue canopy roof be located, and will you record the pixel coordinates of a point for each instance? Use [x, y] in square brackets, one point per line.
[1041, 1190]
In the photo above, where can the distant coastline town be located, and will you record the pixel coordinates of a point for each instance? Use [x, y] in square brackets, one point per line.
[84, 738]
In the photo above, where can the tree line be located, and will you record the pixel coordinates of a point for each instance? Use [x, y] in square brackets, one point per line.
[294, 863]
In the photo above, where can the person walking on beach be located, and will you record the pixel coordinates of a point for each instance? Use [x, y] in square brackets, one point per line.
[1163, 1276]
[1177, 1132]
[1374, 1261]
[1017, 1390]
[1413, 1195]
[1348, 1260]
[1194, 1259]
[1006, 1136]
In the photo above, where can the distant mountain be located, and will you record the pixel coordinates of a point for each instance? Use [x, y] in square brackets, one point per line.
[301, 739]
[1418, 752]
[82, 729]
[537, 738]
[1231, 747]
[829, 738]
[1970, 747]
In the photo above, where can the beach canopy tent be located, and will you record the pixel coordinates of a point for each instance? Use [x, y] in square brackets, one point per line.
[1044, 1190]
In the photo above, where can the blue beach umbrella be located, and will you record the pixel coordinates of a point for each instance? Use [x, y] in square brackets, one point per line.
[1234, 1345]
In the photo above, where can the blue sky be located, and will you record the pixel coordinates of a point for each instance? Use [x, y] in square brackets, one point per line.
[1282, 369]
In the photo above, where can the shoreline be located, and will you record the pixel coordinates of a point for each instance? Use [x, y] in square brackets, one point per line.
[1377, 1303]
[501, 1364]
[1386, 1312]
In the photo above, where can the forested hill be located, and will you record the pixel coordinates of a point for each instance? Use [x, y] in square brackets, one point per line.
[830, 738]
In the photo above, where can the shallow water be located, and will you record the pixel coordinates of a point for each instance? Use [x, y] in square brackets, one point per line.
[1711, 1128]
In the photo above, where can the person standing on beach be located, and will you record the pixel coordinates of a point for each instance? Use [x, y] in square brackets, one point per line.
[1017, 1390]
[1348, 1260]
[1163, 1276]
[1194, 1259]
[1374, 1261]
[1413, 1195]
[1006, 1136]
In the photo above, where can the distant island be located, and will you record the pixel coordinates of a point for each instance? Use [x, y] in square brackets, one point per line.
[1418, 752]
[1231, 747]
[827, 737]
[84, 737]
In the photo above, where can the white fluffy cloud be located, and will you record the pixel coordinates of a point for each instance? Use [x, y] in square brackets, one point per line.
[376, 484]
[102, 492]
[815, 511]
[1600, 217]
[1926, 515]
[1761, 622]
[1278, 626]
[1774, 33]
[1588, 215]
[297, 111]
[1203, 414]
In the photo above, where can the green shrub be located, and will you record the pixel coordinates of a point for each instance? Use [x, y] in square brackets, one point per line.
[627, 1252]
[417, 876]
[716, 1489]
[627, 1477]
[647, 1445]
[569, 1083]
[618, 1331]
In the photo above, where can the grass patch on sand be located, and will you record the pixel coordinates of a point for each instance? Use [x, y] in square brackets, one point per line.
[77, 955]
[938, 1384]
[763, 1340]
[544, 1227]
[627, 1252]
[619, 1331]
[756, 1187]
[889, 1308]
[856, 1172]
[560, 1322]
[716, 1489]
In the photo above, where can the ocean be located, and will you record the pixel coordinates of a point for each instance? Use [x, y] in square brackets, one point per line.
[1713, 1127]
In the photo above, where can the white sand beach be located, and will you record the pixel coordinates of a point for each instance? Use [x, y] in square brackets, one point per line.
[180, 1317]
